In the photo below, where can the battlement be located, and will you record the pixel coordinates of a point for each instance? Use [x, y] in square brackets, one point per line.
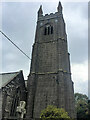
[49, 16]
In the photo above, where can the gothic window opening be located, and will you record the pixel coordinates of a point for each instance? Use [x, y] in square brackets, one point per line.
[13, 107]
[14, 104]
[45, 32]
[48, 30]
[51, 30]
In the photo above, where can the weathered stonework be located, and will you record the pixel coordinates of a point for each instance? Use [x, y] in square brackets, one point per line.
[49, 81]
[13, 91]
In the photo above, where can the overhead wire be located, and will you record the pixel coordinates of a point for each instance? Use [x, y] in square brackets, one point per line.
[15, 44]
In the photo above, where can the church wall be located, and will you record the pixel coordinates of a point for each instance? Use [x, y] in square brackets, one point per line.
[0, 104]
[12, 94]
[46, 92]
[51, 89]
[49, 81]
[47, 57]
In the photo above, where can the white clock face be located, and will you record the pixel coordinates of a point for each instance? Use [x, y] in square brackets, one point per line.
[56, 20]
[41, 24]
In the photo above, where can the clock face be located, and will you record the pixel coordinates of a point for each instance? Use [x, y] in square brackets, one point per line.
[41, 24]
[56, 20]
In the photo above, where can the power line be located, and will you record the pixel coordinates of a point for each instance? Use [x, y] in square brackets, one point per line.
[15, 44]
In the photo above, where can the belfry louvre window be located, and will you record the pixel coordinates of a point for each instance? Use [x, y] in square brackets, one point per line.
[48, 30]
[51, 30]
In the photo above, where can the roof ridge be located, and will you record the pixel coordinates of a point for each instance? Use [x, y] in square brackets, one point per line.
[15, 74]
[10, 72]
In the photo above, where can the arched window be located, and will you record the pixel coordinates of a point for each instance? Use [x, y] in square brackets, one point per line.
[51, 30]
[14, 103]
[45, 31]
[48, 30]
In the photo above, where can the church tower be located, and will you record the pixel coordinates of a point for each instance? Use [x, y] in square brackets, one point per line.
[49, 81]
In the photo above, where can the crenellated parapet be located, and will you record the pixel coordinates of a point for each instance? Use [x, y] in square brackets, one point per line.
[51, 15]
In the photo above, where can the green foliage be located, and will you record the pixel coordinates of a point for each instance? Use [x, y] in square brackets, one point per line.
[81, 105]
[79, 96]
[53, 112]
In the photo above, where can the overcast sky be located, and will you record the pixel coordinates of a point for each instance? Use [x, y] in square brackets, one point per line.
[19, 24]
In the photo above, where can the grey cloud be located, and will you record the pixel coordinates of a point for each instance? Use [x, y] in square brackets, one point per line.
[24, 16]
[76, 17]
[19, 22]
[81, 87]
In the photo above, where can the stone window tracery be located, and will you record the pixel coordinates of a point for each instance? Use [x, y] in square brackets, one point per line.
[48, 30]
[15, 101]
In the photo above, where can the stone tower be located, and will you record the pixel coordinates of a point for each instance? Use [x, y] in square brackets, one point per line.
[49, 81]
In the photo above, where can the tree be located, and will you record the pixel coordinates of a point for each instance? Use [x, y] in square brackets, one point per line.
[81, 105]
[53, 112]
[79, 96]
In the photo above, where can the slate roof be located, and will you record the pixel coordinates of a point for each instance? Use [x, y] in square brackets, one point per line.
[5, 78]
